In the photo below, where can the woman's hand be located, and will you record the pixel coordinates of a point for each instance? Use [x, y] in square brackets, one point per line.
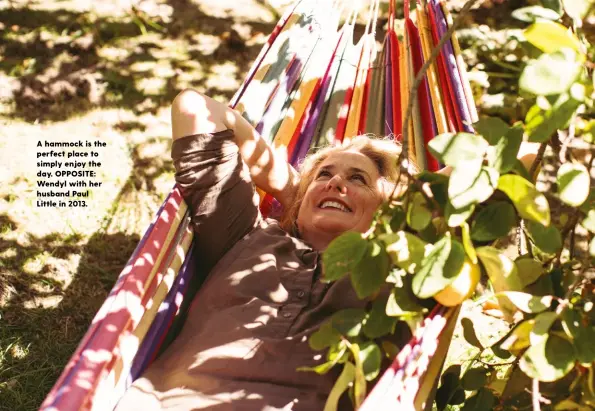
[194, 113]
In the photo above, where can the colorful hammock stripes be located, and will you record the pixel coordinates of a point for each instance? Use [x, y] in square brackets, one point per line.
[312, 84]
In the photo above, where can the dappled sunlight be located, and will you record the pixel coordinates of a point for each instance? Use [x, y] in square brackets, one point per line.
[237, 277]
[44, 302]
[224, 77]
[244, 348]
[206, 44]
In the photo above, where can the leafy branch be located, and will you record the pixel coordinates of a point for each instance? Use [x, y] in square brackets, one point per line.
[435, 244]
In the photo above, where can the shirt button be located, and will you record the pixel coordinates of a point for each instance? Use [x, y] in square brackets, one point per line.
[286, 314]
[301, 294]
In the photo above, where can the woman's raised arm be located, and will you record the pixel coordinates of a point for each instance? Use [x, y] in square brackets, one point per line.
[194, 113]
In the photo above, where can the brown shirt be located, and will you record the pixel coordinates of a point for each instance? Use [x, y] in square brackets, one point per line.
[248, 326]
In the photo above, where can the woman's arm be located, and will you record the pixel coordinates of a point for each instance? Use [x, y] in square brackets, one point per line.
[194, 113]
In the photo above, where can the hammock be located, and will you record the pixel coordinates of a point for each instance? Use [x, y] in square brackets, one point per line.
[324, 88]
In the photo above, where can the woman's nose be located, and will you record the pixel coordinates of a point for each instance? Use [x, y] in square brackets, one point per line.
[336, 183]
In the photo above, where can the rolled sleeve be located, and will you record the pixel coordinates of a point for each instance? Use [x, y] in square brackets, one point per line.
[217, 187]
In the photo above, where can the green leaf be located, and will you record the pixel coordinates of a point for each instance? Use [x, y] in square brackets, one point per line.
[577, 9]
[557, 277]
[467, 243]
[449, 385]
[543, 126]
[438, 186]
[549, 360]
[549, 36]
[551, 73]
[491, 128]
[529, 202]
[429, 177]
[518, 338]
[547, 239]
[503, 155]
[573, 183]
[452, 149]
[418, 213]
[342, 255]
[543, 286]
[588, 132]
[520, 170]
[402, 302]
[532, 13]
[371, 357]
[324, 337]
[337, 354]
[475, 378]
[529, 270]
[348, 322]
[470, 183]
[582, 334]
[592, 247]
[503, 275]
[500, 352]
[378, 322]
[320, 369]
[469, 333]
[590, 203]
[398, 218]
[458, 397]
[483, 400]
[359, 387]
[589, 221]
[439, 268]
[406, 250]
[533, 114]
[541, 327]
[345, 379]
[370, 273]
[555, 5]
[456, 217]
[390, 350]
[500, 269]
[527, 302]
[493, 221]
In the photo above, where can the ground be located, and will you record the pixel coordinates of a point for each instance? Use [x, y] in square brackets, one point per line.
[108, 71]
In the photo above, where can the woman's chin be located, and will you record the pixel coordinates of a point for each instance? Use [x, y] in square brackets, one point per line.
[331, 226]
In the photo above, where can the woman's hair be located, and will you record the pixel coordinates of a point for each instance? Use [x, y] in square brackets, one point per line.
[383, 153]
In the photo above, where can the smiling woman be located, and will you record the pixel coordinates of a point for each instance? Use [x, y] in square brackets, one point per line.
[247, 330]
[340, 189]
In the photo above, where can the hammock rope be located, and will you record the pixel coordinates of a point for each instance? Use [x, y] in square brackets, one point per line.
[325, 88]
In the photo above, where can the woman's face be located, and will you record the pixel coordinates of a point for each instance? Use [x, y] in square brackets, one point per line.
[345, 193]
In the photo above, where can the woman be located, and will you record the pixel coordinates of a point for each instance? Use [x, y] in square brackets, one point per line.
[247, 328]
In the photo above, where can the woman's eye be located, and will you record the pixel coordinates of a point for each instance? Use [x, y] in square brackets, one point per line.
[358, 177]
[324, 173]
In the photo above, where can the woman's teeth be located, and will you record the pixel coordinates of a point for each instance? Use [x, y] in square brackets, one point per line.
[334, 204]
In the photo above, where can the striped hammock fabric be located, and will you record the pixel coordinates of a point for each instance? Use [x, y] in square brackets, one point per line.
[311, 85]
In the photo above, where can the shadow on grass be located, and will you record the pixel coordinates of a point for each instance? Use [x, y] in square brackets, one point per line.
[38, 333]
[56, 56]
[51, 288]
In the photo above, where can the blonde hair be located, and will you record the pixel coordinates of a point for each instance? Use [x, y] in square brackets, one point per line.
[383, 153]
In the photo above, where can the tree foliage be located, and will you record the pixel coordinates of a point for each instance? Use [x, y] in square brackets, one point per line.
[420, 243]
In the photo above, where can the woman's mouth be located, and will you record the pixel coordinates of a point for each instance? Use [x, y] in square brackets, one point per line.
[334, 205]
